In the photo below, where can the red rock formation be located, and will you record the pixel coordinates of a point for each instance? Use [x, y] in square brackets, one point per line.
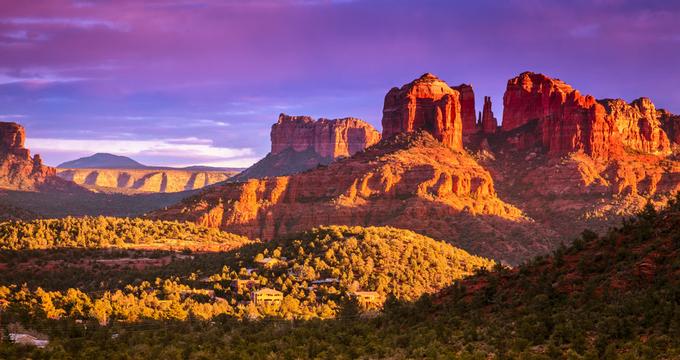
[562, 120]
[299, 143]
[427, 104]
[17, 169]
[467, 108]
[671, 125]
[409, 181]
[638, 125]
[488, 122]
[329, 138]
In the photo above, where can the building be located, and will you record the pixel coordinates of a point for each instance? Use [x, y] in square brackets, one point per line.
[26, 339]
[366, 297]
[240, 284]
[325, 281]
[269, 262]
[266, 296]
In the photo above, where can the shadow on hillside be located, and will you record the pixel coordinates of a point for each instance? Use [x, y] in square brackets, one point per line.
[105, 269]
[80, 203]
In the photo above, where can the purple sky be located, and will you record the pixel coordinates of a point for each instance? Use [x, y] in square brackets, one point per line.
[176, 82]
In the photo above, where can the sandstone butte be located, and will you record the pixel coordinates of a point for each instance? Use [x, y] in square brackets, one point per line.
[18, 170]
[560, 162]
[429, 104]
[549, 113]
[409, 180]
[570, 161]
[299, 143]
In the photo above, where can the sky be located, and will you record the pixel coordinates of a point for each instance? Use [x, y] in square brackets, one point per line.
[178, 82]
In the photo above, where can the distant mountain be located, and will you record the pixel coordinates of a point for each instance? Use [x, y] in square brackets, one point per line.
[103, 161]
[111, 161]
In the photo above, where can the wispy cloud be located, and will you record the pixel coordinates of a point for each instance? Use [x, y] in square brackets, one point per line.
[37, 79]
[11, 117]
[81, 23]
[180, 148]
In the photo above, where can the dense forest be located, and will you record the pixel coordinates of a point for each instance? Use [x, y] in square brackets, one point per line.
[316, 272]
[102, 232]
[614, 296]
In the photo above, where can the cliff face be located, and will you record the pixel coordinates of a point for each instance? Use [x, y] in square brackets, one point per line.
[638, 125]
[409, 181]
[563, 121]
[488, 122]
[671, 125]
[427, 104]
[136, 180]
[561, 162]
[558, 118]
[300, 143]
[328, 138]
[18, 170]
[467, 108]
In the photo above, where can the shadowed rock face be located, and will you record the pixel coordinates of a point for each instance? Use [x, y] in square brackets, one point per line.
[12, 137]
[671, 125]
[488, 122]
[428, 104]
[467, 108]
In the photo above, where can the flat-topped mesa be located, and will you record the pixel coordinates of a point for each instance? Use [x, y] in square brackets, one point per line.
[488, 122]
[328, 138]
[638, 125]
[546, 112]
[426, 103]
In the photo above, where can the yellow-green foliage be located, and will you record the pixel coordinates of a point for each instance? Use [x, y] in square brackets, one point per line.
[391, 261]
[98, 232]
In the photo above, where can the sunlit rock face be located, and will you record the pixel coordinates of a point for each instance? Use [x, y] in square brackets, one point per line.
[300, 143]
[329, 138]
[18, 170]
[428, 104]
[563, 121]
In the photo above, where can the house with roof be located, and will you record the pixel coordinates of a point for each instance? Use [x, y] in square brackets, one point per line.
[365, 298]
[242, 284]
[266, 296]
[269, 262]
[27, 339]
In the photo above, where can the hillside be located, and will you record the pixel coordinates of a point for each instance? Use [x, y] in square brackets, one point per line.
[410, 181]
[316, 272]
[605, 297]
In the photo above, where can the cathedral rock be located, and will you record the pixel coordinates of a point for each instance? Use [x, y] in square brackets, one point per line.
[429, 104]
